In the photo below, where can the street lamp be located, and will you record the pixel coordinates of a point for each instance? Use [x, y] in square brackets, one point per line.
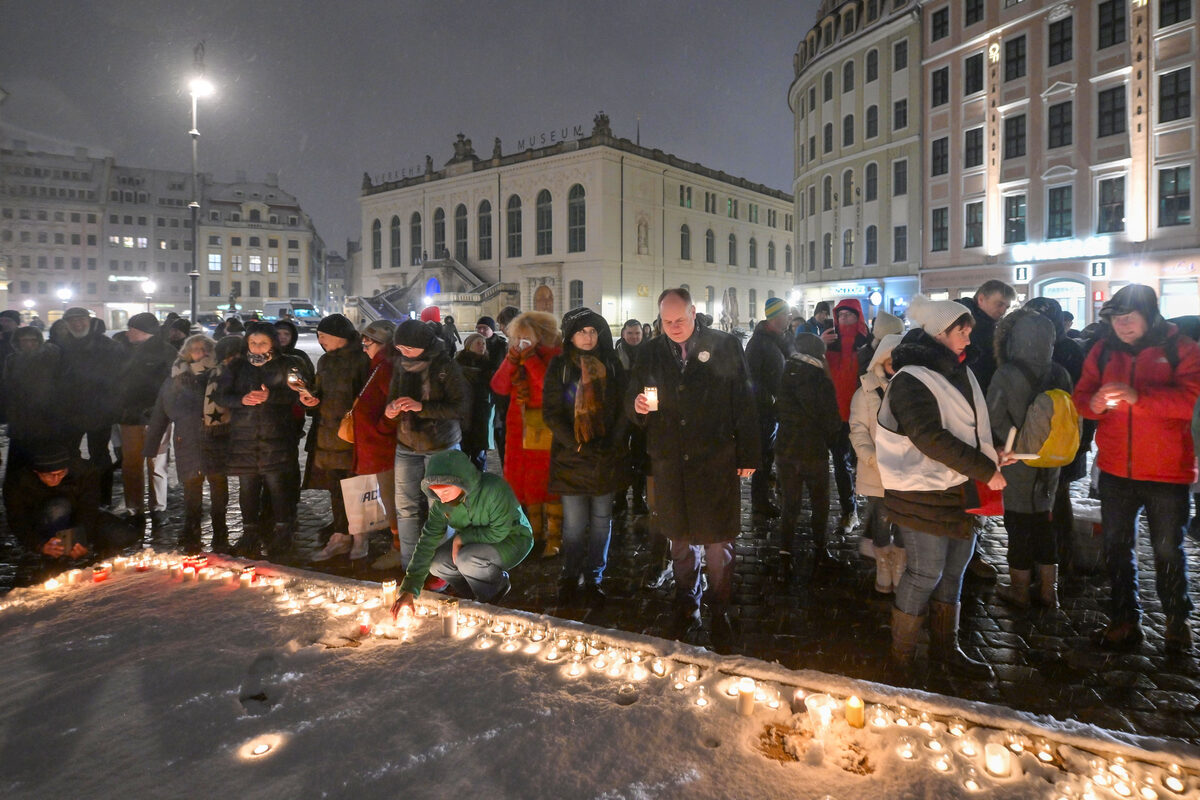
[198, 87]
[64, 294]
[148, 288]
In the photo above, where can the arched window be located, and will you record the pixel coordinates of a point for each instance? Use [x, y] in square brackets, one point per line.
[732, 250]
[710, 247]
[544, 224]
[460, 234]
[576, 221]
[848, 187]
[439, 233]
[752, 298]
[433, 286]
[848, 247]
[827, 93]
[376, 245]
[685, 243]
[484, 230]
[827, 193]
[513, 227]
[847, 130]
[414, 239]
[848, 77]
[827, 251]
[397, 259]
[872, 65]
[872, 122]
[872, 182]
[827, 145]
[753, 253]
[574, 291]
[710, 297]
[787, 258]
[872, 254]
[771, 256]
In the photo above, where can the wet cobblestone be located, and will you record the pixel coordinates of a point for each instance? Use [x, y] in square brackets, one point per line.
[832, 620]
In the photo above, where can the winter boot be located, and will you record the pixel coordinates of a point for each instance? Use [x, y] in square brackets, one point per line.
[360, 546]
[554, 522]
[1017, 592]
[723, 631]
[1178, 636]
[1048, 585]
[250, 544]
[905, 629]
[943, 643]
[537, 521]
[220, 537]
[980, 569]
[899, 564]
[189, 540]
[393, 558]
[883, 569]
[339, 543]
[280, 546]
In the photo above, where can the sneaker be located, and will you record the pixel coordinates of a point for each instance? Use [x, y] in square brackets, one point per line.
[848, 522]
[392, 559]
[980, 569]
[361, 546]
[339, 544]
[663, 579]
[434, 584]
[505, 588]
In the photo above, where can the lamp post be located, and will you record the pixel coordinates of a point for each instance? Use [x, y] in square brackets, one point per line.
[198, 87]
[148, 288]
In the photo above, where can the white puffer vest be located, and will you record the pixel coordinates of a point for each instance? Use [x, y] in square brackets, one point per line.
[904, 468]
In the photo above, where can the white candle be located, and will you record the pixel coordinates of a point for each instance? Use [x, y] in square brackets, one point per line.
[119, 563]
[651, 393]
[73, 576]
[997, 759]
[855, 712]
[52, 584]
[388, 592]
[449, 619]
[745, 700]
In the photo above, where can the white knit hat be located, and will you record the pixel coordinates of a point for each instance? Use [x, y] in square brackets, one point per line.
[935, 316]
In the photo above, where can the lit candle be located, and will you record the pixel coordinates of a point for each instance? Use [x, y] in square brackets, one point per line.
[553, 653]
[941, 764]
[119, 563]
[701, 696]
[364, 623]
[855, 712]
[971, 780]
[100, 572]
[449, 611]
[189, 573]
[52, 584]
[906, 749]
[969, 747]
[880, 717]
[820, 712]
[576, 666]
[142, 565]
[997, 760]
[658, 667]
[74, 576]
[387, 591]
[247, 577]
[745, 700]
[404, 620]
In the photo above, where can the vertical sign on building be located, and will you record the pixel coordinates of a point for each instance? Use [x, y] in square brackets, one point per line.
[1137, 211]
[994, 203]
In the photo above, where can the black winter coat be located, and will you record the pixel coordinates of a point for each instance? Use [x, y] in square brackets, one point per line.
[809, 420]
[438, 424]
[341, 375]
[477, 428]
[145, 368]
[600, 466]
[262, 438]
[91, 399]
[766, 353]
[34, 387]
[29, 504]
[981, 352]
[198, 449]
[705, 430]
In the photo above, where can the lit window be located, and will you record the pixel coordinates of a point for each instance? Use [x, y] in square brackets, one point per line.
[214, 262]
[1059, 221]
[255, 264]
[1111, 218]
[1014, 218]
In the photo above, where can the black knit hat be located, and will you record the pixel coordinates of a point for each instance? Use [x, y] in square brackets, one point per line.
[577, 319]
[12, 314]
[338, 325]
[230, 346]
[491, 323]
[50, 457]
[144, 322]
[414, 333]
[258, 326]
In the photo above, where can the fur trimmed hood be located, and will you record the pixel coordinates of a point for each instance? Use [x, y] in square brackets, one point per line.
[1025, 336]
[538, 326]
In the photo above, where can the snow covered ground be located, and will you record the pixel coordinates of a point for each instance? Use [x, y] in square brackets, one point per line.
[151, 685]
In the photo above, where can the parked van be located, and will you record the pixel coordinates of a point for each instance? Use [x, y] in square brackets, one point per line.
[302, 312]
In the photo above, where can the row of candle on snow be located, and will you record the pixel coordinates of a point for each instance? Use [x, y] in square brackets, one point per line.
[188, 568]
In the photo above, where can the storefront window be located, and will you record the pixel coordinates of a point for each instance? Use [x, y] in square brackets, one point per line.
[1072, 295]
[1179, 297]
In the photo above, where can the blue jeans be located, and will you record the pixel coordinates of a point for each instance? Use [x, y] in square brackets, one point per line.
[1166, 506]
[934, 571]
[479, 572]
[410, 471]
[587, 528]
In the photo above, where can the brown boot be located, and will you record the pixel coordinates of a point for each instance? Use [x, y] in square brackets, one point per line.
[554, 523]
[943, 643]
[1017, 592]
[1048, 585]
[905, 629]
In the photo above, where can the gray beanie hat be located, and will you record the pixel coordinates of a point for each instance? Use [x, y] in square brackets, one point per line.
[810, 345]
[380, 331]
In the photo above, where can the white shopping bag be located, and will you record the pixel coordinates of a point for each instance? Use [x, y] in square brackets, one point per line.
[364, 505]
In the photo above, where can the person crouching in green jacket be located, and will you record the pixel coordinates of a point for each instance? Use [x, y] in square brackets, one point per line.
[491, 532]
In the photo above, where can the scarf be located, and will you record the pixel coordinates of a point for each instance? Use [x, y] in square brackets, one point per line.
[589, 414]
[215, 416]
[183, 366]
[413, 383]
[520, 379]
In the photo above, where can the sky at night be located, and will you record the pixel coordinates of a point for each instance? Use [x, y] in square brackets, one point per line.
[321, 92]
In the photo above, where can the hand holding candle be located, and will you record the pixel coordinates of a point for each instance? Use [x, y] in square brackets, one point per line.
[405, 600]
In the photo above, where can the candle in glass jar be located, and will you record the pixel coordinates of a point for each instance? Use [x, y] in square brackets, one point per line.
[100, 572]
[745, 697]
[119, 563]
[855, 712]
[651, 393]
[997, 760]
[450, 619]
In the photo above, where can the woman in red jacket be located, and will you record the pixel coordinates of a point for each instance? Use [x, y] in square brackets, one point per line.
[533, 339]
[1140, 382]
[848, 335]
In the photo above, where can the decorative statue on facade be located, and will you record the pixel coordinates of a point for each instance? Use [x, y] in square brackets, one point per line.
[600, 126]
[496, 147]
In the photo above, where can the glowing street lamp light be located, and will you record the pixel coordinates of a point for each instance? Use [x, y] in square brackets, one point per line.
[199, 86]
[148, 288]
[64, 294]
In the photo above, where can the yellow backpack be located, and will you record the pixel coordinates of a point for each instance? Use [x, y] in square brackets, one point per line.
[1062, 443]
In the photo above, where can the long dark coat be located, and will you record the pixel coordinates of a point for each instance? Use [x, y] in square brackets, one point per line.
[601, 465]
[145, 368]
[181, 401]
[341, 375]
[91, 398]
[262, 438]
[705, 430]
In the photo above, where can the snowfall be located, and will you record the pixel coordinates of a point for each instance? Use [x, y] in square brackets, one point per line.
[166, 681]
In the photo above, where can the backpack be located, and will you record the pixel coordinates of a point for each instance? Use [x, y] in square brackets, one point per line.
[1061, 444]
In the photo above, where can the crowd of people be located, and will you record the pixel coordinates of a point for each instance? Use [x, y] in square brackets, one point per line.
[932, 426]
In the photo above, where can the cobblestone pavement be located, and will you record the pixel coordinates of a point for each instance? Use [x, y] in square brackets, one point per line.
[832, 620]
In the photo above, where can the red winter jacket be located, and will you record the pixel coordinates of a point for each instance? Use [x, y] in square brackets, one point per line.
[374, 434]
[1152, 439]
[842, 355]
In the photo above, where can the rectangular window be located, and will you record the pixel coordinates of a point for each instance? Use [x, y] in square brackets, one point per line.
[1111, 111]
[272, 263]
[1061, 39]
[972, 12]
[1174, 196]
[1014, 58]
[899, 115]
[939, 27]
[1058, 222]
[900, 243]
[973, 74]
[973, 148]
[939, 230]
[1175, 95]
[293, 266]
[900, 56]
[940, 157]
[272, 290]
[256, 288]
[1014, 218]
[1172, 11]
[1111, 217]
[214, 262]
[1014, 136]
[214, 240]
[214, 288]
[974, 225]
[939, 92]
[1059, 125]
[255, 264]
[293, 290]
[235, 263]
[899, 178]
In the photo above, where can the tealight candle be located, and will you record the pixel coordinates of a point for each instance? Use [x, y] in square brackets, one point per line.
[404, 620]
[120, 563]
[658, 667]
[189, 573]
[701, 696]
[553, 653]
[997, 760]
[1174, 783]
[906, 749]
[100, 572]
[745, 699]
[52, 584]
[1147, 793]
[576, 667]
[880, 717]
[798, 700]
[820, 712]
[74, 576]
[969, 747]
[971, 780]
[941, 764]
[855, 712]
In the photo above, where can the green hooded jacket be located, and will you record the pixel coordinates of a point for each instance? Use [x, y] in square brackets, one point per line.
[487, 512]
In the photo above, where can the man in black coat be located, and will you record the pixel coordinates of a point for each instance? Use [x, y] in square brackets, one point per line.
[147, 364]
[497, 349]
[702, 436]
[91, 362]
[766, 354]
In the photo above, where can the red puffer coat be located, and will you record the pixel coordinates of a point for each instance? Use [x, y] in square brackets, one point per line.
[374, 434]
[1150, 440]
[527, 471]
